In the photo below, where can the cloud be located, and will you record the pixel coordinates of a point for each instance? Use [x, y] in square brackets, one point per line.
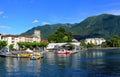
[4, 27]
[2, 15]
[5, 16]
[44, 23]
[1, 12]
[35, 21]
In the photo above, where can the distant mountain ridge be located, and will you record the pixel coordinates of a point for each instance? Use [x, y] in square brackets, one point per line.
[48, 29]
[104, 25]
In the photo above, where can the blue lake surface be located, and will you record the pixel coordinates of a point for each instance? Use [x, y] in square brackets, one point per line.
[90, 63]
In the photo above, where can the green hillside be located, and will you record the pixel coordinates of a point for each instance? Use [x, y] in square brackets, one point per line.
[104, 25]
[48, 29]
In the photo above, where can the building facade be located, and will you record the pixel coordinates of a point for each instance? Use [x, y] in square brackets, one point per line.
[96, 41]
[14, 39]
[0, 36]
[53, 45]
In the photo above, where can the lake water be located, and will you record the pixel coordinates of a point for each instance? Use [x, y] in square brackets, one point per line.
[91, 63]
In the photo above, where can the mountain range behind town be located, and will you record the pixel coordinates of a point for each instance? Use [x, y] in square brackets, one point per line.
[102, 26]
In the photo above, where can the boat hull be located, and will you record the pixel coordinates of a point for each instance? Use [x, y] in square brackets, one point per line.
[61, 52]
[34, 57]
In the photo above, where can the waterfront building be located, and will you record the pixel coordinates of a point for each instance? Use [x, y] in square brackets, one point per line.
[0, 36]
[74, 40]
[55, 45]
[11, 39]
[14, 39]
[96, 41]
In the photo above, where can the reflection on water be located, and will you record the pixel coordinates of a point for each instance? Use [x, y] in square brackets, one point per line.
[91, 63]
[19, 67]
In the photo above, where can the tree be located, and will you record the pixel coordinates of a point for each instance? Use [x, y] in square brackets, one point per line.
[109, 43]
[65, 38]
[60, 36]
[70, 36]
[2, 44]
[32, 45]
[113, 42]
[52, 38]
[82, 42]
[91, 45]
[61, 29]
[43, 44]
[11, 46]
[104, 44]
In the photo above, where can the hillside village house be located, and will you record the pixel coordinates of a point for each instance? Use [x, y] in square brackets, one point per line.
[97, 41]
[14, 39]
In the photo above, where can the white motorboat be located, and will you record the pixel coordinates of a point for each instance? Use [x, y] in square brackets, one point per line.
[5, 52]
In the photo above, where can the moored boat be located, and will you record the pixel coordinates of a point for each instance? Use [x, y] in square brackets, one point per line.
[34, 57]
[5, 52]
[63, 51]
[25, 54]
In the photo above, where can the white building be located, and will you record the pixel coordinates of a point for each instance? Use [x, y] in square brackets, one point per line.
[97, 41]
[14, 39]
[53, 45]
[11, 39]
[0, 36]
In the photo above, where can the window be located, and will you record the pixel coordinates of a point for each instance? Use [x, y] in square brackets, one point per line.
[13, 38]
[13, 41]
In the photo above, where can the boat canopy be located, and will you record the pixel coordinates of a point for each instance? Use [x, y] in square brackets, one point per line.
[68, 46]
[28, 50]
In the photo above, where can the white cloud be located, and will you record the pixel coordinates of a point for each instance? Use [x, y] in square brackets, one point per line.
[35, 21]
[44, 23]
[4, 27]
[5, 16]
[2, 15]
[1, 12]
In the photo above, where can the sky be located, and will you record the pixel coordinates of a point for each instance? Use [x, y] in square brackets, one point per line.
[18, 16]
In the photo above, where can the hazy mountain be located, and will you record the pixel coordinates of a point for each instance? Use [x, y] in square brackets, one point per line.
[104, 25]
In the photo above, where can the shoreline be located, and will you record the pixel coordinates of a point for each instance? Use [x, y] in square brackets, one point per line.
[103, 48]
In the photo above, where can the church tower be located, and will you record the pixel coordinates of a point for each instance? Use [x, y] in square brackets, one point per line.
[37, 34]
